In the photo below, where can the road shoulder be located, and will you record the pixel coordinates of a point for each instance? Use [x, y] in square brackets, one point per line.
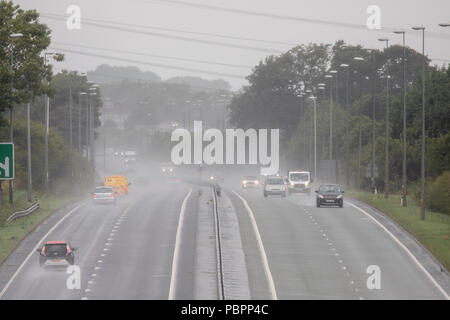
[422, 255]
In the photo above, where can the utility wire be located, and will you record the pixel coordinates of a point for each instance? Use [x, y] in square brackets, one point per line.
[54, 15]
[285, 17]
[152, 55]
[168, 36]
[226, 75]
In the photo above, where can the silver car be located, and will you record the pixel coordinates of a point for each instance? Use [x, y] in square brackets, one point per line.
[274, 185]
[104, 195]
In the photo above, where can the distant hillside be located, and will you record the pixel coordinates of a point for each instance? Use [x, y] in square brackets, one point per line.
[112, 74]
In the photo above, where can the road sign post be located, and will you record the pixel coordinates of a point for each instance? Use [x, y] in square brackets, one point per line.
[6, 161]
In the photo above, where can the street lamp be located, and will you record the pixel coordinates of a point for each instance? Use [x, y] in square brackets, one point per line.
[422, 167]
[12, 36]
[346, 67]
[329, 76]
[47, 125]
[313, 98]
[372, 164]
[403, 197]
[358, 183]
[91, 132]
[386, 159]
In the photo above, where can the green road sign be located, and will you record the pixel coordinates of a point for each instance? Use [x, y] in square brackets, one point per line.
[6, 161]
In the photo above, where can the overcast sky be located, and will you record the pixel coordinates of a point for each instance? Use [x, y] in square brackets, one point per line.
[282, 33]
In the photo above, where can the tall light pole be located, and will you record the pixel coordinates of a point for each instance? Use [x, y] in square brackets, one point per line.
[358, 183]
[47, 125]
[386, 157]
[422, 166]
[91, 130]
[80, 109]
[11, 113]
[313, 98]
[29, 154]
[310, 148]
[372, 165]
[330, 77]
[404, 178]
[346, 67]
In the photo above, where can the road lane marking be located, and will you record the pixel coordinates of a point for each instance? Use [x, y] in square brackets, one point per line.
[444, 293]
[174, 272]
[261, 248]
[37, 247]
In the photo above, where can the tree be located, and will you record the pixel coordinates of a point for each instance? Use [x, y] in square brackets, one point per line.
[28, 69]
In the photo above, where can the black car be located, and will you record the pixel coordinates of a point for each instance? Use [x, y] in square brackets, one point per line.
[330, 195]
[55, 253]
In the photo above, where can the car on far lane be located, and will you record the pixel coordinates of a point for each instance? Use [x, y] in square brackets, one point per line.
[274, 185]
[56, 253]
[250, 182]
[330, 195]
[167, 168]
[104, 194]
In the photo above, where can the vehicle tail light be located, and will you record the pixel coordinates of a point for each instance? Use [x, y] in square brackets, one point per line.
[112, 195]
[68, 249]
[43, 251]
[95, 196]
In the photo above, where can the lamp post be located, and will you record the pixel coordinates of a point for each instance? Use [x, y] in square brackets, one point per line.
[422, 166]
[358, 183]
[47, 125]
[372, 164]
[80, 94]
[386, 158]
[403, 197]
[12, 36]
[313, 98]
[91, 133]
[346, 67]
[330, 77]
[93, 88]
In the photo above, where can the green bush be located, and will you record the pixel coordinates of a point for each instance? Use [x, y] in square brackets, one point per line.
[437, 197]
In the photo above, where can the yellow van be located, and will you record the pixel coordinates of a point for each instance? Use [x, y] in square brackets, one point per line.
[118, 183]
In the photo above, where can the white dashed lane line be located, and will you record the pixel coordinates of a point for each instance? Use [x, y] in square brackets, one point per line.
[108, 243]
[326, 238]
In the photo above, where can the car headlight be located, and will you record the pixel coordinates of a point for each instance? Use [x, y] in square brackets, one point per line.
[339, 196]
[256, 182]
[244, 182]
[292, 184]
[307, 183]
[320, 196]
[283, 188]
[170, 169]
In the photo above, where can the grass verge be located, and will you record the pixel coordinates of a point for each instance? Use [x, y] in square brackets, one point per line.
[433, 232]
[11, 233]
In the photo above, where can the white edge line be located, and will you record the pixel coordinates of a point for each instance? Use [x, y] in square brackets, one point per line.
[174, 272]
[36, 247]
[406, 249]
[261, 248]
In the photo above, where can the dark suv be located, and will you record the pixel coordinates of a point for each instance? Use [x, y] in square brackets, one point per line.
[330, 195]
[56, 253]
